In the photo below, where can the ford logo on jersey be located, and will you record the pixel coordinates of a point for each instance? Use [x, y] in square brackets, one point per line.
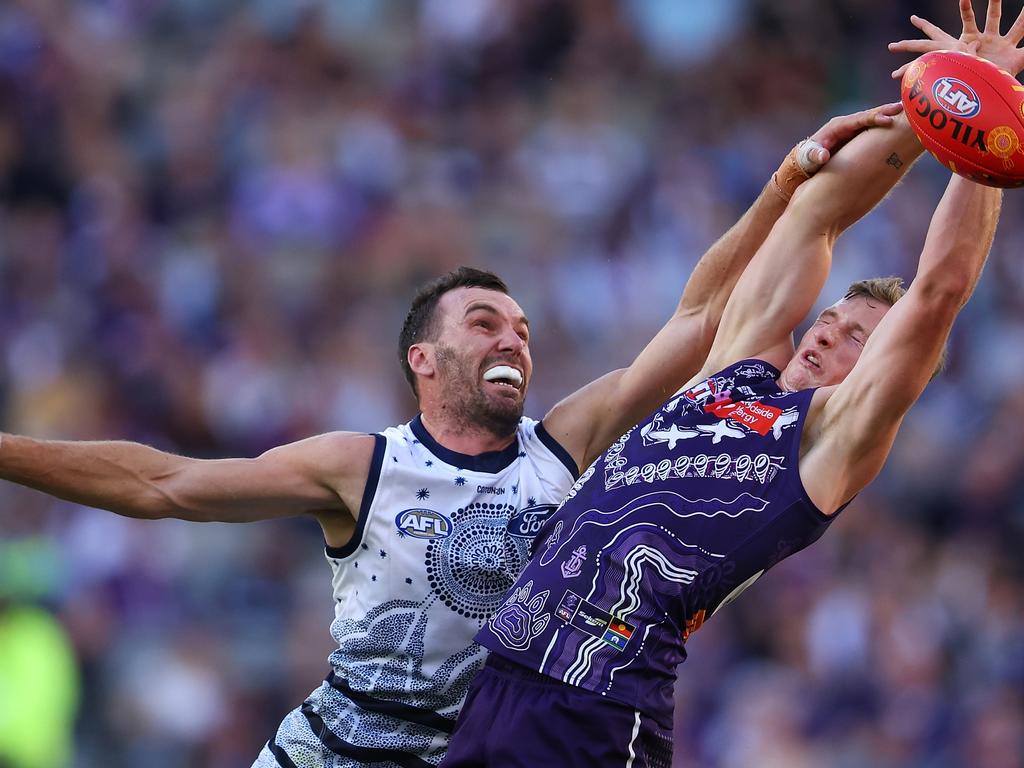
[423, 524]
[956, 96]
[527, 522]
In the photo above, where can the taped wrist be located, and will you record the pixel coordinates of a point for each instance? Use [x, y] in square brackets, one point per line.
[797, 168]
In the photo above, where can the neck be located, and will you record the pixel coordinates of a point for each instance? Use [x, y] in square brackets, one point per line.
[781, 381]
[469, 439]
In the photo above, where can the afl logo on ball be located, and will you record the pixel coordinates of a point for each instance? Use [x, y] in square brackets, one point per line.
[423, 524]
[956, 96]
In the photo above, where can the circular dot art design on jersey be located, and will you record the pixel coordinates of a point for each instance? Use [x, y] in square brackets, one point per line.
[471, 569]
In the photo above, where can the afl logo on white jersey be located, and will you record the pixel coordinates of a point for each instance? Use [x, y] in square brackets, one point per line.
[423, 524]
[956, 96]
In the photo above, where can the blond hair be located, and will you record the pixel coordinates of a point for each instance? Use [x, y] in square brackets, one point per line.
[889, 290]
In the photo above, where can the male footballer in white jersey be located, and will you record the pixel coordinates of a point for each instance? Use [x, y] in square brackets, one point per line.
[426, 524]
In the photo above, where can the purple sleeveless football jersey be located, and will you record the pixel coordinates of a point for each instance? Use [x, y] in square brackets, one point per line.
[674, 520]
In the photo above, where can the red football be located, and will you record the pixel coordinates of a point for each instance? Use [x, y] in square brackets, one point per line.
[969, 114]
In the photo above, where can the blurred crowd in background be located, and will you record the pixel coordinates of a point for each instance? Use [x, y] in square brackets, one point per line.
[213, 215]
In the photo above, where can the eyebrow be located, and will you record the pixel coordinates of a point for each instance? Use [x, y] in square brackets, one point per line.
[854, 325]
[490, 309]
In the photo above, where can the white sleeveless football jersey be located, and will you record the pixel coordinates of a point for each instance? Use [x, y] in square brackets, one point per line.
[440, 538]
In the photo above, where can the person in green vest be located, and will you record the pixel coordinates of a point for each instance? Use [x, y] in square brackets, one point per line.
[39, 680]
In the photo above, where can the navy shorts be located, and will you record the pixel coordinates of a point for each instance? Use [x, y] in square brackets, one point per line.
[516, 718]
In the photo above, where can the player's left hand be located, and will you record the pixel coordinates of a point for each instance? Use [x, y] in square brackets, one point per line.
[808, 157]
[1001, 50]
[839, 130]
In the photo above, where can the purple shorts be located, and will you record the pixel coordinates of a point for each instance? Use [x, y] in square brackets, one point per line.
[516, 718]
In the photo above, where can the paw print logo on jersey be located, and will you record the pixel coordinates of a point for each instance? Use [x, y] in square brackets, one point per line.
[519, 620]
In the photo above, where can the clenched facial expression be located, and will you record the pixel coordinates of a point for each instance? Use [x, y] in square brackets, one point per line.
[482, 358]
[831, 347]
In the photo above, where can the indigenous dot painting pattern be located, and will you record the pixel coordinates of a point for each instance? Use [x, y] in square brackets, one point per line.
[440, 539]
[471, 570]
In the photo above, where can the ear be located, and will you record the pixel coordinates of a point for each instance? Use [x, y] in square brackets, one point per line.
[421, 359]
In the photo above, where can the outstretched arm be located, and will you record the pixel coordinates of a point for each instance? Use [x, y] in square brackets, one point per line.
[788, 272]
[589, 420]
[854, 432]
[317, 475]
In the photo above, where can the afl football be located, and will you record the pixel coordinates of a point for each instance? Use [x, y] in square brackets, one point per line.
[969, 114]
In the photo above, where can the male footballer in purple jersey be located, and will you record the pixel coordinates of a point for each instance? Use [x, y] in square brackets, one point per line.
[745, 465]
[426, 524]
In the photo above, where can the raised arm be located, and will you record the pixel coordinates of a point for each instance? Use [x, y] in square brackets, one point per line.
[785, 277]
[853, 435]
[321, 475]
[588, 421]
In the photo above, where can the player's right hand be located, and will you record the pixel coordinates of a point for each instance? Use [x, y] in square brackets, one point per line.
[1001, 50]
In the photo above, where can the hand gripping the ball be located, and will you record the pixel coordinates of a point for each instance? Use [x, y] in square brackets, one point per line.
[1001, 50]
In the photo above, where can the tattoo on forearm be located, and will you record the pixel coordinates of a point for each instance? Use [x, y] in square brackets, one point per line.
[894, 161]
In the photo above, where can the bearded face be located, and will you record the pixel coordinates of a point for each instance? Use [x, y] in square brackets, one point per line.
[488, 393]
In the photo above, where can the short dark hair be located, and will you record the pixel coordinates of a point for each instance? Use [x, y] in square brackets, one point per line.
[420, 323]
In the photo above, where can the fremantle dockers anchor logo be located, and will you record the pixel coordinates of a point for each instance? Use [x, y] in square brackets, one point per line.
[571, 568]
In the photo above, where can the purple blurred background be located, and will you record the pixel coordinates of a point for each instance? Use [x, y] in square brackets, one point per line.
[213, 214]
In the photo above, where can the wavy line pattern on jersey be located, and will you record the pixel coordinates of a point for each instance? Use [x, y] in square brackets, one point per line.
[629, 599]
[671, 500]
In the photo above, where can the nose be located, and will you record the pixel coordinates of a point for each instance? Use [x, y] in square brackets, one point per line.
[824, 337]
[510, 341]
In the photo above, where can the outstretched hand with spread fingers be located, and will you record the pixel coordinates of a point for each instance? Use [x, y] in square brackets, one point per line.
[1000, 49]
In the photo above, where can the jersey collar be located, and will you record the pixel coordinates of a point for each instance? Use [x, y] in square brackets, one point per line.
[491, 462]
